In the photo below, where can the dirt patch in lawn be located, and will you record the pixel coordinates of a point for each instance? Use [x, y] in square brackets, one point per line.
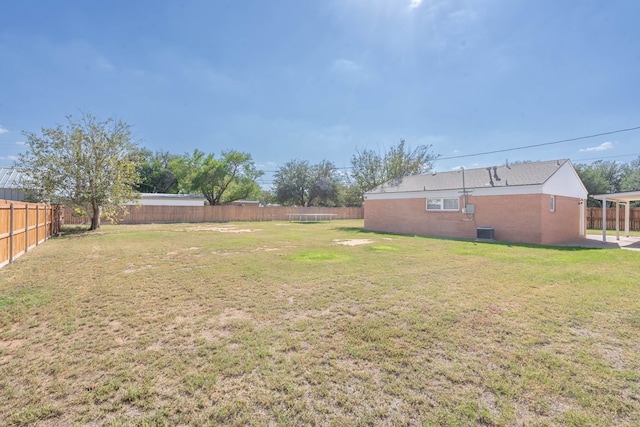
[230, 314]
[353, 242]
[227, 229]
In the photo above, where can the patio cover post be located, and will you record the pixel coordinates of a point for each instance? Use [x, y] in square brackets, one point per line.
[627, 214]
[625, 197]
[604, 219]
[617, 220]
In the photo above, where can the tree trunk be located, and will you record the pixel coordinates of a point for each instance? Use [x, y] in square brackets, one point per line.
[95, 218]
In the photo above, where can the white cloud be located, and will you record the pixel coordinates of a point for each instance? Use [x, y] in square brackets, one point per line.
[348, 72]
[21, 142]
[602, 147]
[345, 66]
[3, 130]
[103, 63]
[415, 3]
[267, 165]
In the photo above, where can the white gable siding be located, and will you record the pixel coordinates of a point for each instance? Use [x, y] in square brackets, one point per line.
[565, 182]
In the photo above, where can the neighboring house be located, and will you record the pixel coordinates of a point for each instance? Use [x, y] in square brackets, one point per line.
[538, 202]
[255, 203]
[159, 199]
[10, 185]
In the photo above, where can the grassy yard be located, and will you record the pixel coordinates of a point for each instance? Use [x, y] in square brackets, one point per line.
[632, 233]
[316, 324]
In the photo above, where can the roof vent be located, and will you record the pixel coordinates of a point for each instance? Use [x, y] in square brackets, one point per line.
[495, 173]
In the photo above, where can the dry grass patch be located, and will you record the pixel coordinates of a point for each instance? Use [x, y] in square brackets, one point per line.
[222, 229]
[352, 242]
[159, 325]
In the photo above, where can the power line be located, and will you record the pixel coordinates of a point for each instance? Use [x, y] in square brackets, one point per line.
[540, 145]
[606, 157]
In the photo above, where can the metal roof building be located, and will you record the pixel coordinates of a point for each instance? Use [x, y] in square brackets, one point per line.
[10, 184]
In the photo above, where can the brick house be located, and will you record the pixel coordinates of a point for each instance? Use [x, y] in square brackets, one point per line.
[538, 202]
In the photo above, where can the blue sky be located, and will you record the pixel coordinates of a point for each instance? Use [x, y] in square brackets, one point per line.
[316, 80]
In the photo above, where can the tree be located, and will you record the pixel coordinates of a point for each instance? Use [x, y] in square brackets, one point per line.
[155, 172]
[371, 169]
[298, 183]
[292, 183]
[350, 194]
[90, 163]
[225, 180]
[267, 198]
[325, 184]
[631, 176]
[600, 177]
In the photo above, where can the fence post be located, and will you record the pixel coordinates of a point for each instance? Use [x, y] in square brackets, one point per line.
[11, 233]
[37, 223]
[26, 228]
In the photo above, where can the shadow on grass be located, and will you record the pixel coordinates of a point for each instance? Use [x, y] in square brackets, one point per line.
[306, 222]
[357, 230]
[452, 239]
[535, 246]
[69, 231]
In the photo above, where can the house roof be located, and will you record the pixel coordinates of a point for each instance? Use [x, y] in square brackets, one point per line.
[167, 196]
[9, 178]
[520, 174]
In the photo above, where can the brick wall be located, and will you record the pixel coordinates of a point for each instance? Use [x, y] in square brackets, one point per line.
[521, 218]
[563, 224]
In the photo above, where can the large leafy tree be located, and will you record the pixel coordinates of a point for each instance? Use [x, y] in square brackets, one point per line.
[292, 183]
[231, 177]
[600, 177]
[371, 168]
[325, 184]
[349, 193]
[155, 172]
[631, 176]
[90, 163]
[298, 183]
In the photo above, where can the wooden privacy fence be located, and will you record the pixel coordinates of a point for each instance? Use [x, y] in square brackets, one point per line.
[24, 226]
[594, 218]
[225, 213]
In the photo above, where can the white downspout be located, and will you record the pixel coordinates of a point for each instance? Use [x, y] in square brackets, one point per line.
[582, 215]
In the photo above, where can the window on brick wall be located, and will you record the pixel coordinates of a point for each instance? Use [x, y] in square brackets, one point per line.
[552, 203]
[443, 204]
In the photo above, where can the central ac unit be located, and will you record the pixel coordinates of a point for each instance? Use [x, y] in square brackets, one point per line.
[485, 233]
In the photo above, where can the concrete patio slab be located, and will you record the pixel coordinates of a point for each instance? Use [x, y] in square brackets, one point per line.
[595, 241]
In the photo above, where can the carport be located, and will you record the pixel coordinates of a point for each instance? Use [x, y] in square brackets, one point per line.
[618, 198]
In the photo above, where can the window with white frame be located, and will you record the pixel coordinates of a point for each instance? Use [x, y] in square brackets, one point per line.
[552, 203]
[444, 204]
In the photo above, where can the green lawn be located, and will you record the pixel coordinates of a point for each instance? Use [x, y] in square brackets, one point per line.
[277, 323]
[632, 233]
